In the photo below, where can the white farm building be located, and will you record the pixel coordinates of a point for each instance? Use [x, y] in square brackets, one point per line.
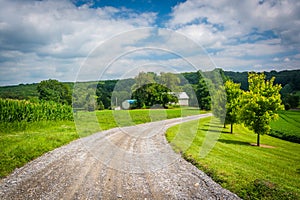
[183, 98]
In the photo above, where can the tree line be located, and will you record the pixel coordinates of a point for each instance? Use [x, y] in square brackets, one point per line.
[112, 92]
[255, 106]
[147, 88]
[288, 79]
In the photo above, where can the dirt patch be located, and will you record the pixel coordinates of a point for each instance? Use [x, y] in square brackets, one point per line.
[263, 146]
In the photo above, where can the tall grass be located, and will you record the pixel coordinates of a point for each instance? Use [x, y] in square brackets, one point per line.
[26, 111]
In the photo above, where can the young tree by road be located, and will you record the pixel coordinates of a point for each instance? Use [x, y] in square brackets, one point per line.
[226, 103]
[260, 104]
[219, 103]
[233, 94]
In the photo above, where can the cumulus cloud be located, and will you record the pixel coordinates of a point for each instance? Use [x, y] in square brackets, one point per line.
[144, 47]
[242, 33]
[241, 17]
[51, 38]
[36, 33]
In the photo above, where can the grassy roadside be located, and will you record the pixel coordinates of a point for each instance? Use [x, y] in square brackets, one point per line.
[21, 142]
[249, 171]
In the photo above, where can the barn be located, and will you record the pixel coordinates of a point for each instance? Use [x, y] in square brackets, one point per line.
[183, 98]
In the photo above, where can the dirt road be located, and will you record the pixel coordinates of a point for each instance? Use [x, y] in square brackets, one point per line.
[123, 163]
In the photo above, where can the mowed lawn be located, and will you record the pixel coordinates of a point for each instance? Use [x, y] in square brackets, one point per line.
[251, 172]
[21, 142]
[287, 126]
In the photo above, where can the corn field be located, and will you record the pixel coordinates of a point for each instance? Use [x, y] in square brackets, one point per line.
[21, 110]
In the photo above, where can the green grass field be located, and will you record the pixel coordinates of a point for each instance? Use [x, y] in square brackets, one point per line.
[91, 122]
[287, 127]
[20, 142]
[251, 172]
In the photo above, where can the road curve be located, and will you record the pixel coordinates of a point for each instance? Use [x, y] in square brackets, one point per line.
[122, 163]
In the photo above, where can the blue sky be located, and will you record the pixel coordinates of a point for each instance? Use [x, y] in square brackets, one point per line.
[63, 39]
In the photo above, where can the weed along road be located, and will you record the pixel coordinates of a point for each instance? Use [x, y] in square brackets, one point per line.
[133, 162]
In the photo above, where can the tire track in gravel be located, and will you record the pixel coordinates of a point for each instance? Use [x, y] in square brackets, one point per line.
[122, 163]
[113, 181]
[89, 177]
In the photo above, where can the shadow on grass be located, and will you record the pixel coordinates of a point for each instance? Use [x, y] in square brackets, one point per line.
[227, 132]
[207, 126]
[234, 142]
[209, 130]
[213, 126]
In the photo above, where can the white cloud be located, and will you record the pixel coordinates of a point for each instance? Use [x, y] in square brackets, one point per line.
[205, 35]
[259, 49]
[242, 33]
[144, 47]
[240, 17]
[51, 38]
[297, 56]
[56, 31]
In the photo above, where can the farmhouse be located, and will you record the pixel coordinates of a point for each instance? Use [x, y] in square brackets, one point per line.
[183, 98]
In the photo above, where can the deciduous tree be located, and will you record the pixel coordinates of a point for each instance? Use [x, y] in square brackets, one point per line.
[143, 78]
[233, 95]
[203, 95]
[260, 104]
[169, 80]
[53, 90]
[152, 94]
[219, 103]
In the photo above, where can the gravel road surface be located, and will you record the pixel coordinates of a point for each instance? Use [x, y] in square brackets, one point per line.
[122, 163]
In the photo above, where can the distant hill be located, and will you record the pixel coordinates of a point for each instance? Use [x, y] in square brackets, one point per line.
[286, 77]
[22, 91]
[291, 77]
